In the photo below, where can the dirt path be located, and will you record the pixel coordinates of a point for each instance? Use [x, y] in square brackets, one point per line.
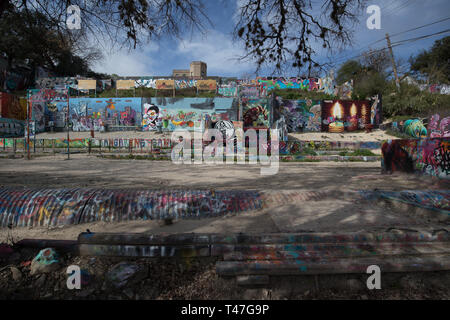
[375, 135]
[90, 171]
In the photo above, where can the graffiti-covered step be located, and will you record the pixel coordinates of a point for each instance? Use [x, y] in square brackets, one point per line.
[52, 207]
[56, 207]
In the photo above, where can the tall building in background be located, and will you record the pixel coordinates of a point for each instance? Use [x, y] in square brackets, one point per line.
[198, 70]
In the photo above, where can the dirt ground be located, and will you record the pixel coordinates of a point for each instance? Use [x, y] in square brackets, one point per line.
[375, 135]
[325, 194]
[320, 197]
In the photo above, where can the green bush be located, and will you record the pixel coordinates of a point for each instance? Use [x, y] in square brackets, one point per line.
[357, 152]
[409, 101]
[299, 94]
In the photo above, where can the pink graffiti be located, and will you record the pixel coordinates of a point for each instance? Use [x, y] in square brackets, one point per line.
[439, 130]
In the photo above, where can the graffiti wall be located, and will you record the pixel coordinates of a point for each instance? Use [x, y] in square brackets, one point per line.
[43, 207]
[11, 128]
[186, 113]
[415, 128]
[44, 106]
[301, 115]
[249, 91]
[256, 113]
[412, 127]
[228, 90]
[97, 113]
[439, 128]
[12, 106]
[57, 83]
[342, 115]
[427, 156]
[433, 157]
[376, 111]
[325, 84]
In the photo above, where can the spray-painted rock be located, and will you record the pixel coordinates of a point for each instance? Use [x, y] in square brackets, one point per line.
[415, 128]
[124, 273]
[45, 262]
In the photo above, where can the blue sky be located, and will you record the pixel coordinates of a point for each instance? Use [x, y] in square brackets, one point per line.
[219, 51]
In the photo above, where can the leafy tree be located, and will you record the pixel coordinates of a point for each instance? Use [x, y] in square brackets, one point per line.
[348, 71]
[368, 73]
[30, 37]
[280, 33]
[434, 64]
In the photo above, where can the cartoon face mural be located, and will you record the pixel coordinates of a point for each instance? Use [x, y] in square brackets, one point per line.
[151, 114]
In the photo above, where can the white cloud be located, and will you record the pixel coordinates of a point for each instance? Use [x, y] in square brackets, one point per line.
[139, 62]
[218, 50]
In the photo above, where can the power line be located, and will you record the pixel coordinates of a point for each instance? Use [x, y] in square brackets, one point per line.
[413, 29]
[422, 37]
[395, 44]
[399, 33]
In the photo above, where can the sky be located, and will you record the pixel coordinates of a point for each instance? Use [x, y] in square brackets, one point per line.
[220, 52]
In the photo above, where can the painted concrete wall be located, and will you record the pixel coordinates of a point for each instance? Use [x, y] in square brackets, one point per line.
[186, 113]
[425, 156]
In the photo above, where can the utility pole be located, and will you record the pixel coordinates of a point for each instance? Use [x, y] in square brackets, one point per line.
[68, 122]
[397, 82]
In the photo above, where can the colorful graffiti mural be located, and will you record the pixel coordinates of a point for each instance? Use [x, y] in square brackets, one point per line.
[12, 106]
[340, 115]
[415, 128]
[43, 103]
[325, 84]
[50, 207]
[438, 200]
[56, 83]
[256, 113]
[376, 111]
[96, 113]
[249, 91]
[186, 113]
[427, 156]
[11, 127]
[433, 157]
[228, 90]
[301, 115]
[439, 128]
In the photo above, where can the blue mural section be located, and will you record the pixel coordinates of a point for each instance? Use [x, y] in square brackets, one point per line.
[99, 113]
[186, 113]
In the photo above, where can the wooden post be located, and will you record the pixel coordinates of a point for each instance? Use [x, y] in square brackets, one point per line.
[67, 119]
[397, 82]
[29, 112]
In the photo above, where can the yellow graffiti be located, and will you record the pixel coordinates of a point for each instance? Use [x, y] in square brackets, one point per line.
[43, 211]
